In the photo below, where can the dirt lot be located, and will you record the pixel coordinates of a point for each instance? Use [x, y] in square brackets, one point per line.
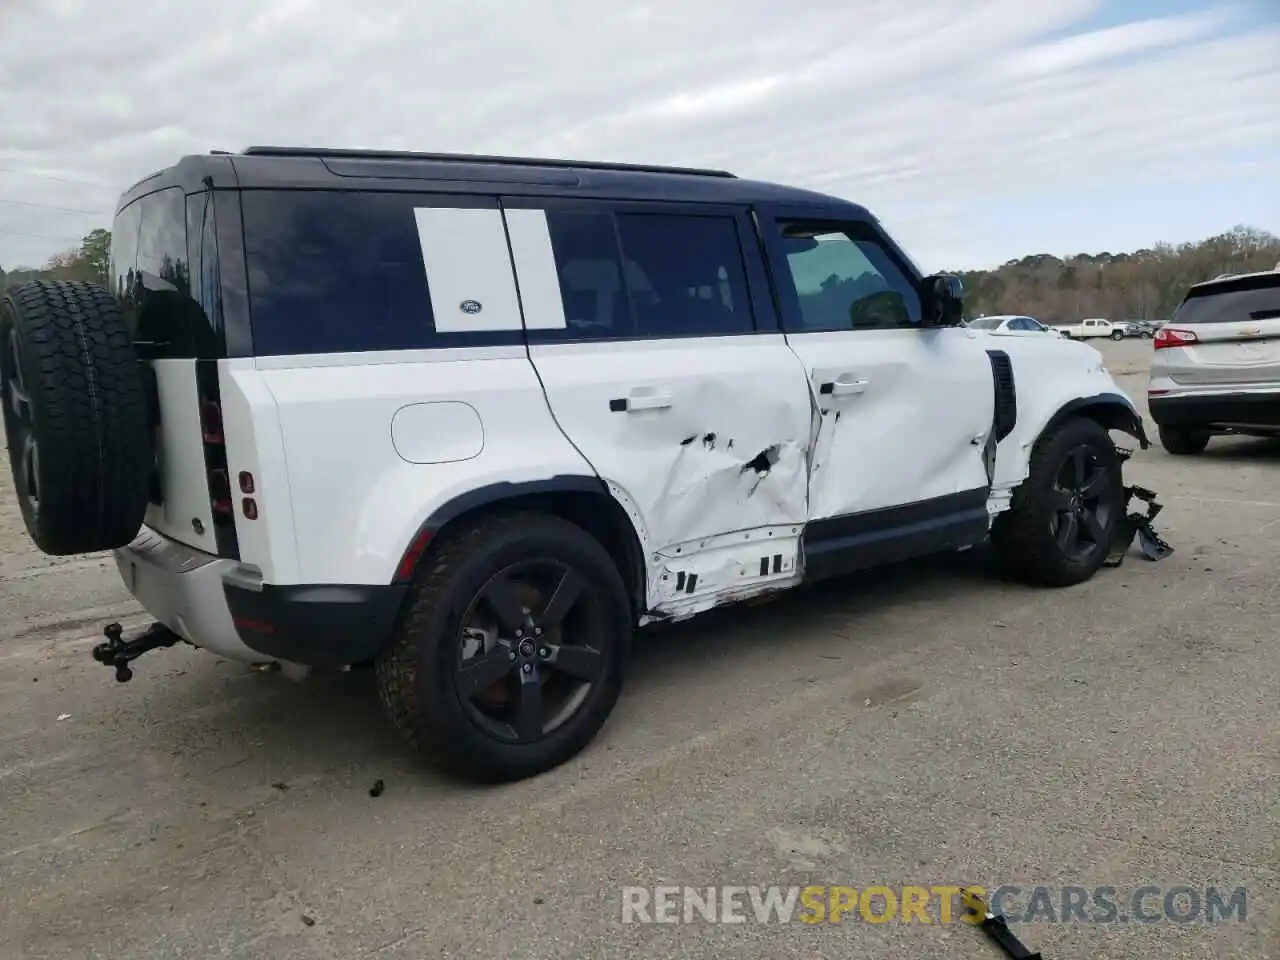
[922, 726]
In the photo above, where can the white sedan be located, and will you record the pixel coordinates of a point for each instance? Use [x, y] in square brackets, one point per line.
[1011, 324]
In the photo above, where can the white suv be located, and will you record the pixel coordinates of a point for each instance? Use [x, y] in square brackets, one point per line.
[471, 420]
[1216, 365]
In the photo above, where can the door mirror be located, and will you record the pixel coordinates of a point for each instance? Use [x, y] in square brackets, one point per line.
[942, 300]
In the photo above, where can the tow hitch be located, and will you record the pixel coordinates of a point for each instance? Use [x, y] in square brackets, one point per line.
[118, 652]
[1134, 524]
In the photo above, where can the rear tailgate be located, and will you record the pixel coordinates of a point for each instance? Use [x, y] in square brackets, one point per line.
[1236, 323]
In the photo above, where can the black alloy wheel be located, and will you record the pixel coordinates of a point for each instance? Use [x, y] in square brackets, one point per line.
[534, 642]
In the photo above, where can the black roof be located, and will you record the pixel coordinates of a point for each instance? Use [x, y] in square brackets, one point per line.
[333, 169]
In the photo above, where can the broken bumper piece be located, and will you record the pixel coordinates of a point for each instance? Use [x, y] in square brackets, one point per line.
[1134, 524]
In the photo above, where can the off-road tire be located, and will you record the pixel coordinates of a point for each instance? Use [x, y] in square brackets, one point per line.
[1021, 541]
[88, 416]
[415, 673]
[1184, 441]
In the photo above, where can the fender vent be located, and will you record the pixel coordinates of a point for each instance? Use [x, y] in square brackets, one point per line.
[1006, 396]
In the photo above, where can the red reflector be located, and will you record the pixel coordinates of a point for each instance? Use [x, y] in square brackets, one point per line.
[211, 422]
[244, 623]
[1156, 393]
[222, 506]
[411, 556]
[246, 481]
[1172, 337]
[250, 508]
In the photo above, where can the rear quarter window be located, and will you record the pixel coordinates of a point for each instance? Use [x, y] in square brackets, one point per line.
[1234, 301]
[334, 272]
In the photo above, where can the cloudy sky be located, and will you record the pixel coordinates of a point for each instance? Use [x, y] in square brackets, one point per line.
[978, 130]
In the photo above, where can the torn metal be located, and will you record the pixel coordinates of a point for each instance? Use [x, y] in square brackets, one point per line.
[1134, 524]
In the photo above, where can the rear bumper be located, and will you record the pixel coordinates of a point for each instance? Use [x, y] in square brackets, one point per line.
[1221, 409]
[213, 603]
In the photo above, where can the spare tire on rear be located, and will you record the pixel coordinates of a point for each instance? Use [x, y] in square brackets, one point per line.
[75, 416]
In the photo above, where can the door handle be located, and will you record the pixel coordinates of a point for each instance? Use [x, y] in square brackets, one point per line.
[640, 401]
[843, 387]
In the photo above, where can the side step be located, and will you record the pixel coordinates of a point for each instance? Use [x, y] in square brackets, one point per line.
[118, 652]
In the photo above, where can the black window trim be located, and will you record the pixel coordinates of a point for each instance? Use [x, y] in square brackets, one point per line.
[771, 222]
[760, 300]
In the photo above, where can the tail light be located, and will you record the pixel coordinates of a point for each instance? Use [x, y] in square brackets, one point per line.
[1173, 337]
[215, 458]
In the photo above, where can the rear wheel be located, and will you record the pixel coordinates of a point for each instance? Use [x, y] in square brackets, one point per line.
[75, 415]
[1117, 334]
[1184, 441]
[510, 655]
[1060, 526]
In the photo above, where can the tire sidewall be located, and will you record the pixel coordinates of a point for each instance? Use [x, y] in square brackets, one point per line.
[9, 326]
[1072, 435]
[439, 633]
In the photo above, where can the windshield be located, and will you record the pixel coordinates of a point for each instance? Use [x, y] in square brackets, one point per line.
[986, 323]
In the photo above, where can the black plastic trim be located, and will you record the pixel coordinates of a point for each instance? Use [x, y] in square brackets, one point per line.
[1006, 393]
[840, 545]
[1131, 420]
[317, 625]
[1235, 409]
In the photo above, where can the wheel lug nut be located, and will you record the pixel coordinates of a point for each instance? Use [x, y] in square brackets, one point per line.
[544, 653]
[511, 655]
[528, 668]
[537, 631]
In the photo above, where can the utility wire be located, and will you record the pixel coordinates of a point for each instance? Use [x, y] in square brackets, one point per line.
[51, 206]
[41, 236]
[49, 176]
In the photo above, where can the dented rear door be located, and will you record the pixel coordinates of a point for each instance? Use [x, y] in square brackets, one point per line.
[653, 333]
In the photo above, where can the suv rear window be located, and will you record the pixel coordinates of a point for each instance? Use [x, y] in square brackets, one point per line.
[1232, 301]
[335, 272]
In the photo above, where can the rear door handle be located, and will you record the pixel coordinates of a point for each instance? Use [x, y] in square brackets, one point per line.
[843, 387]
[640, 399]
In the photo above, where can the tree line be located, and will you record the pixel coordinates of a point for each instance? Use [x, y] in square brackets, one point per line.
[1147, 284]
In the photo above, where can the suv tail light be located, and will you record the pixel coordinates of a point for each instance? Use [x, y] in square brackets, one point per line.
[1172, 337]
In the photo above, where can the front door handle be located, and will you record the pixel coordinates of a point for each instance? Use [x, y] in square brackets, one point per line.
[640, 400]
[844, 387]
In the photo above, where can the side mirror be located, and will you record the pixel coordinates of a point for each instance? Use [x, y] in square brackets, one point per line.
[942, 300]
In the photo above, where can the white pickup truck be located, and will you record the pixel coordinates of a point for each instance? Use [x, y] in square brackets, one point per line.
[1093, 327]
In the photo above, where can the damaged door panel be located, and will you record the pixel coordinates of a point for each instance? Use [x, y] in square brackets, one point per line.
[903, 412]
[643, 331]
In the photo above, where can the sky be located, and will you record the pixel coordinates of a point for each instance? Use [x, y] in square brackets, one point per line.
[976, 130]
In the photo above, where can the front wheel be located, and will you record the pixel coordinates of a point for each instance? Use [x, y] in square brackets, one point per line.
[1061, 524]
[510, 654]
[1117, 334]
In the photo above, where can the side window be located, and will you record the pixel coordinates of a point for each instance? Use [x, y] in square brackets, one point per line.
[124, 260]
[650, 275]
[335, 272]
[1022, 323]
[589, 265]
[845, 280]
[162, 281]
[685, 275]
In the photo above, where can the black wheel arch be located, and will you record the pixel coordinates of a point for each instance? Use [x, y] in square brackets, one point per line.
[1113, 411]
[581, 499]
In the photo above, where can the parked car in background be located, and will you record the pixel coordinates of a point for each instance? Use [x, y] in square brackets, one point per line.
[1215, 368]
[1010, 324]
[1146, 329]
[1093, 327]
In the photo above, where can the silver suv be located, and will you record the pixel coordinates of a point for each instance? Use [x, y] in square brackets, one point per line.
[1216, 364]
